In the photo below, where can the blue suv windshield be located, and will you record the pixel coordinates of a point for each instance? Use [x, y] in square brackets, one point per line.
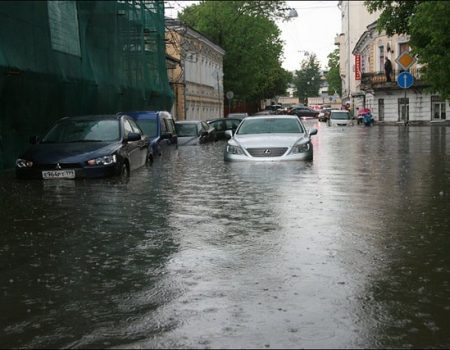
[148, 126]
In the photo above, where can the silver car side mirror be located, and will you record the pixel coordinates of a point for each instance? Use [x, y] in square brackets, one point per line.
[228, 134]
[313, 131]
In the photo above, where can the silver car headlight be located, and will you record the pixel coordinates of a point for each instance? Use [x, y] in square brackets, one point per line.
[106, 160]
[23, 163]
[301, 148]
[234, 149]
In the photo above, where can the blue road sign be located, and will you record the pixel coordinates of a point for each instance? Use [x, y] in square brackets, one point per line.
[405, 80]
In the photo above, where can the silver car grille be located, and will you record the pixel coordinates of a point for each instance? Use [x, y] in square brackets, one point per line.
[267, 152]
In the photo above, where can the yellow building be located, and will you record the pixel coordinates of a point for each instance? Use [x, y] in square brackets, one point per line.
[196, 75]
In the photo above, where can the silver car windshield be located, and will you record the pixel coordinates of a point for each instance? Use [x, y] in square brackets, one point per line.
[270, 126]
[84, 131]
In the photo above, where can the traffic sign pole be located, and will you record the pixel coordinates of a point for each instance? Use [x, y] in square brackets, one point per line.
[405, 80]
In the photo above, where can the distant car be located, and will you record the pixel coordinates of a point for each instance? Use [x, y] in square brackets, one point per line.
[303, 111]
[324, 114]
[159, 127]
[270, 138]
[273, 108]
[86, 147]
[194, 132]
[265, 112]
[339, 117]
[237, 115]
[223, 124]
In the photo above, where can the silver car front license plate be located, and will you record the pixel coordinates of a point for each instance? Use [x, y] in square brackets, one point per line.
[58, 174]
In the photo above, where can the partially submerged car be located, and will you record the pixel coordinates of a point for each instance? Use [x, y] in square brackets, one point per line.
[194, 132]
[340, 117]
[159, 126]
[223, 124]
[270, 138]
[86, 147]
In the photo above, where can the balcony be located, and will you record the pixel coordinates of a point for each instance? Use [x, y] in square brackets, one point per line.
[377, 80]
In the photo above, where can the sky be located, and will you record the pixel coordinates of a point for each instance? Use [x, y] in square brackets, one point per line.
[313, 31]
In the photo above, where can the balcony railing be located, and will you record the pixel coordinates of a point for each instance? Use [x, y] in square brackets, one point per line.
[378, 79]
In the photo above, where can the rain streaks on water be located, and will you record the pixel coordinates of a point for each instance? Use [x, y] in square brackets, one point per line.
[349, 250]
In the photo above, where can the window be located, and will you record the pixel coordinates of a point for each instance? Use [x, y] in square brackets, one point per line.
[381, 57]
[127, 127]
[135, 127]
[437, 108]
[63, 23]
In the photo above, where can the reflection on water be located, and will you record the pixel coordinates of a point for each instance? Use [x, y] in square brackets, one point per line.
[349, 250]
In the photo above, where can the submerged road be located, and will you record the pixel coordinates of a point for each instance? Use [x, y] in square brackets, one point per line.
[350, 250]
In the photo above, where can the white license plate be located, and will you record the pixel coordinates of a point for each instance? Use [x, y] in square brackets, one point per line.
[58, 174]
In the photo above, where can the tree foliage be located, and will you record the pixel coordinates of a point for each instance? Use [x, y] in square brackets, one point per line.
[247, 32]
[430, 40]
[307, 79]
[333, 75]
[395, 15]
[426, 24]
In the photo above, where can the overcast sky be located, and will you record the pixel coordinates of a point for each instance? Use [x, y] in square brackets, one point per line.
[314, 30]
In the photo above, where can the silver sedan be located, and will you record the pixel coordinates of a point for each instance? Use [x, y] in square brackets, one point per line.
[270, 138]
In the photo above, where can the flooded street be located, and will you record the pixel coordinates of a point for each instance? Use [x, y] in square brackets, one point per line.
[350, 250]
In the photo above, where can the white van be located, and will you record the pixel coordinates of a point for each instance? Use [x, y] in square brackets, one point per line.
[339, 117]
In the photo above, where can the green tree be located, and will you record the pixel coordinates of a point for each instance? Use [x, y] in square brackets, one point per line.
[333, 75]
[307, 79]
[426, 24]
[395, 15]
[247, 32]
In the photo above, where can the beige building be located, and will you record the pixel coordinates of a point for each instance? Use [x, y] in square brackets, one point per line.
[381, 93]
[355, 19]
[197, 80]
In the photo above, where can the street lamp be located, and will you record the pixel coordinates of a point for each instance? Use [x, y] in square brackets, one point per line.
[292, 13]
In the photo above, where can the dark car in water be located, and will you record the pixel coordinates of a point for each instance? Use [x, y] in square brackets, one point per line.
[159, 126]
[223, 124]
[86, 147]
[194, 132]
[303, 111]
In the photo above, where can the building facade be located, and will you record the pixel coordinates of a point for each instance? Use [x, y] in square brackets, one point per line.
[379, 88]
[198, 80]
[365, 84]
[355, 19]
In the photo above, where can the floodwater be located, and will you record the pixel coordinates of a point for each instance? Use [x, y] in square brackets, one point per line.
[350, 250]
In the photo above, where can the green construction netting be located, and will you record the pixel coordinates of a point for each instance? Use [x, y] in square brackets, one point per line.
[63, 58]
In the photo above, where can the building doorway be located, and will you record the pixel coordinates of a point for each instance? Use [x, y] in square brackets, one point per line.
[381, 109]
[403, 110]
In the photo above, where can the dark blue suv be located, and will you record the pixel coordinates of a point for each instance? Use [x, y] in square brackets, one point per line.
[160, 128]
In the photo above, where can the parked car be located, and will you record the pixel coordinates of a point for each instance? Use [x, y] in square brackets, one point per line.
[194, 132]
[222, 124]
[86, 146]
[324, 114]
[237, 115]
[270, 138]
[159, 127]
[303, 111]
[340, 117]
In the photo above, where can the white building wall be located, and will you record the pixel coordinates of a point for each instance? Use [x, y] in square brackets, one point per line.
[203, 78]
[419, 106]
[355, 19]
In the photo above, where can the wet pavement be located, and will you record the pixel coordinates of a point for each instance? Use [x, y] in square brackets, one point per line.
[350, 250]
